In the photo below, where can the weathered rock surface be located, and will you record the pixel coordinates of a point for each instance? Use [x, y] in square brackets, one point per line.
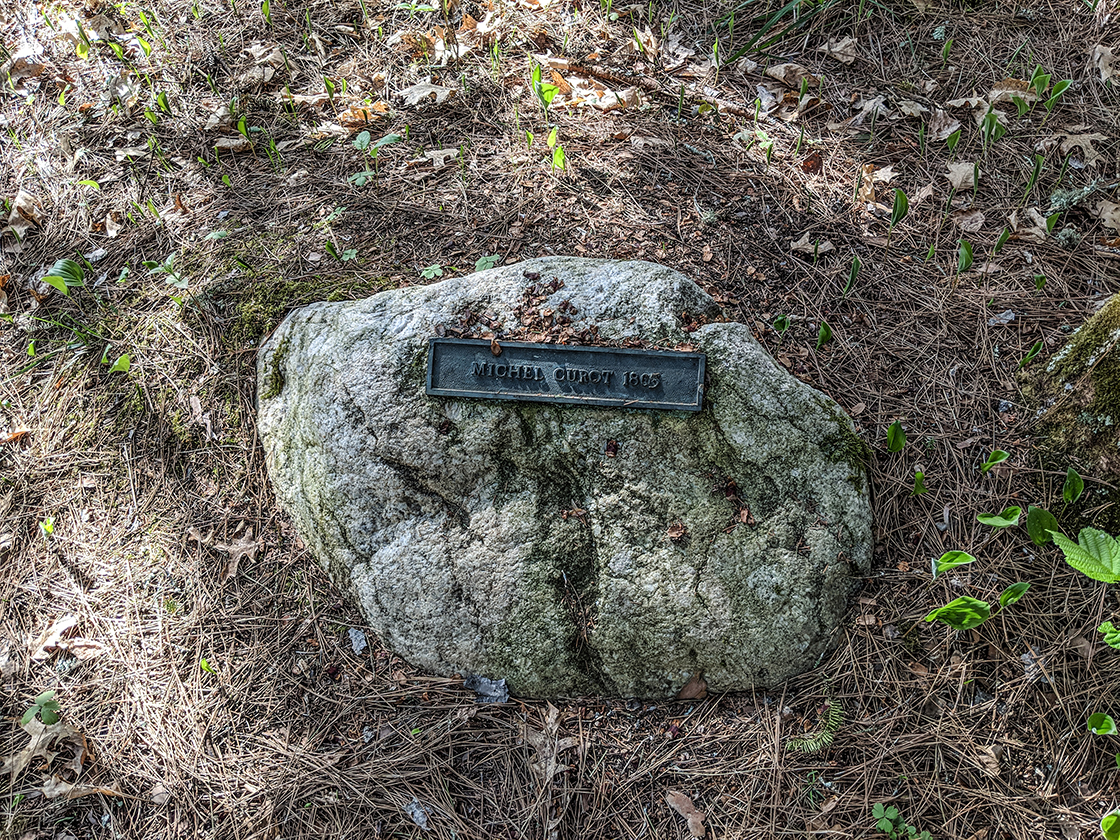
[451, 521]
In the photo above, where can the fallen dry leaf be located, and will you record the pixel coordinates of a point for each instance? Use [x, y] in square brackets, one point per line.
[683, 806]
[1032, 227]
[694, 689]
[922, 194]
[909, 108]
[24, 214]
[942, 124]
[426, 93]
[49, 639]
[15, 434]
[440, 157]
[962, 175]
[1069, 142]
[243, 546]
[988, 759]
[47, 741]
[969, 221]
[677, 531]
[234, 143]
[805, 245]
[791, 75]
[1103, 61]
[844, 50]
[1109, 214]
[1008, 89]
[55, 787]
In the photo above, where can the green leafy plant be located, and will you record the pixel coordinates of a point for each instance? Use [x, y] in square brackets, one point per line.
[965, 613]
[1038, 161]
[1039, 81]
[46, 526]
[896, 437]
[1005, 519]
[953, 139]
[814, 743]
[853, 273]
[891, 823]
[432, 271]
[919, 483]
[1073, 487]
[1040, 523]
[205, 665]
[545, 91]
[1056, 94]
[998, 456]
[1110, 822]
[991, 129]
[64, 275]
[824, 335]
[45, 707]
[167, 266]
[964, 256]
[1036, 348]
[122, 364]
[1101, 724]
[1004, 235]
[364, 143]
[781, 324]
[898, 211]
[951, 560]
[1095, 554]
[486, 262]
[1111, 634]
[1013, 593]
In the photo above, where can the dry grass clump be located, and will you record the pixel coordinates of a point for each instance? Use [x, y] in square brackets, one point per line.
[204, 665]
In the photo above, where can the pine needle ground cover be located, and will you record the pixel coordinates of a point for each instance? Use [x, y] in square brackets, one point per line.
[913, 204]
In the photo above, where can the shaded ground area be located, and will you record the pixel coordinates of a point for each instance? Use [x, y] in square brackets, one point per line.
[206, 166]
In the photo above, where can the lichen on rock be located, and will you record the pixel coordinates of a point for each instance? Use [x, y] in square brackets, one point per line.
[501, 538]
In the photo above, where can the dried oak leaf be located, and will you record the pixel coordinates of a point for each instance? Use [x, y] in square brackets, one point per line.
[683, 806]
[962, 175]
[1109, 214]
[806, 245]
[426, 93]
[49, 640]
[694, 689]
[844, 50]
[1103, 60]
[677, 531]
[47, 741]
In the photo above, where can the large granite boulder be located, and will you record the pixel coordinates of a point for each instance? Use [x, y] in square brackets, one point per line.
[568, 549]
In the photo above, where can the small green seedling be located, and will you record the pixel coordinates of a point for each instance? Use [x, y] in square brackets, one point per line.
[1040, 522]
[966, 613]
[122, 364]
[896, 437]
[1004, 235]
[898, 211]
[486, 262]
[951, 560]
[1039, 282]
[45, 707]
[432, 271]
[46, 526]
[919, 483]
[824, 335]
[953, 139]
[1111, 634]
[1095, 554]
[1110, 822]
[781, 324]
[1039, 81]
[852, 275]
[64, 275]
[205, 666]
[964, 256]
[1056, 94]
[1102, 724]
[991, 129]
[1005, 519]
[545, 91]
[1036, 348]
[998, 456]
[1073, 487]
[891, 823]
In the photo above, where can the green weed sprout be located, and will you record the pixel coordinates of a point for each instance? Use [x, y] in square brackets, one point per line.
[891, 823]
[45, 707]
[896, 437]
